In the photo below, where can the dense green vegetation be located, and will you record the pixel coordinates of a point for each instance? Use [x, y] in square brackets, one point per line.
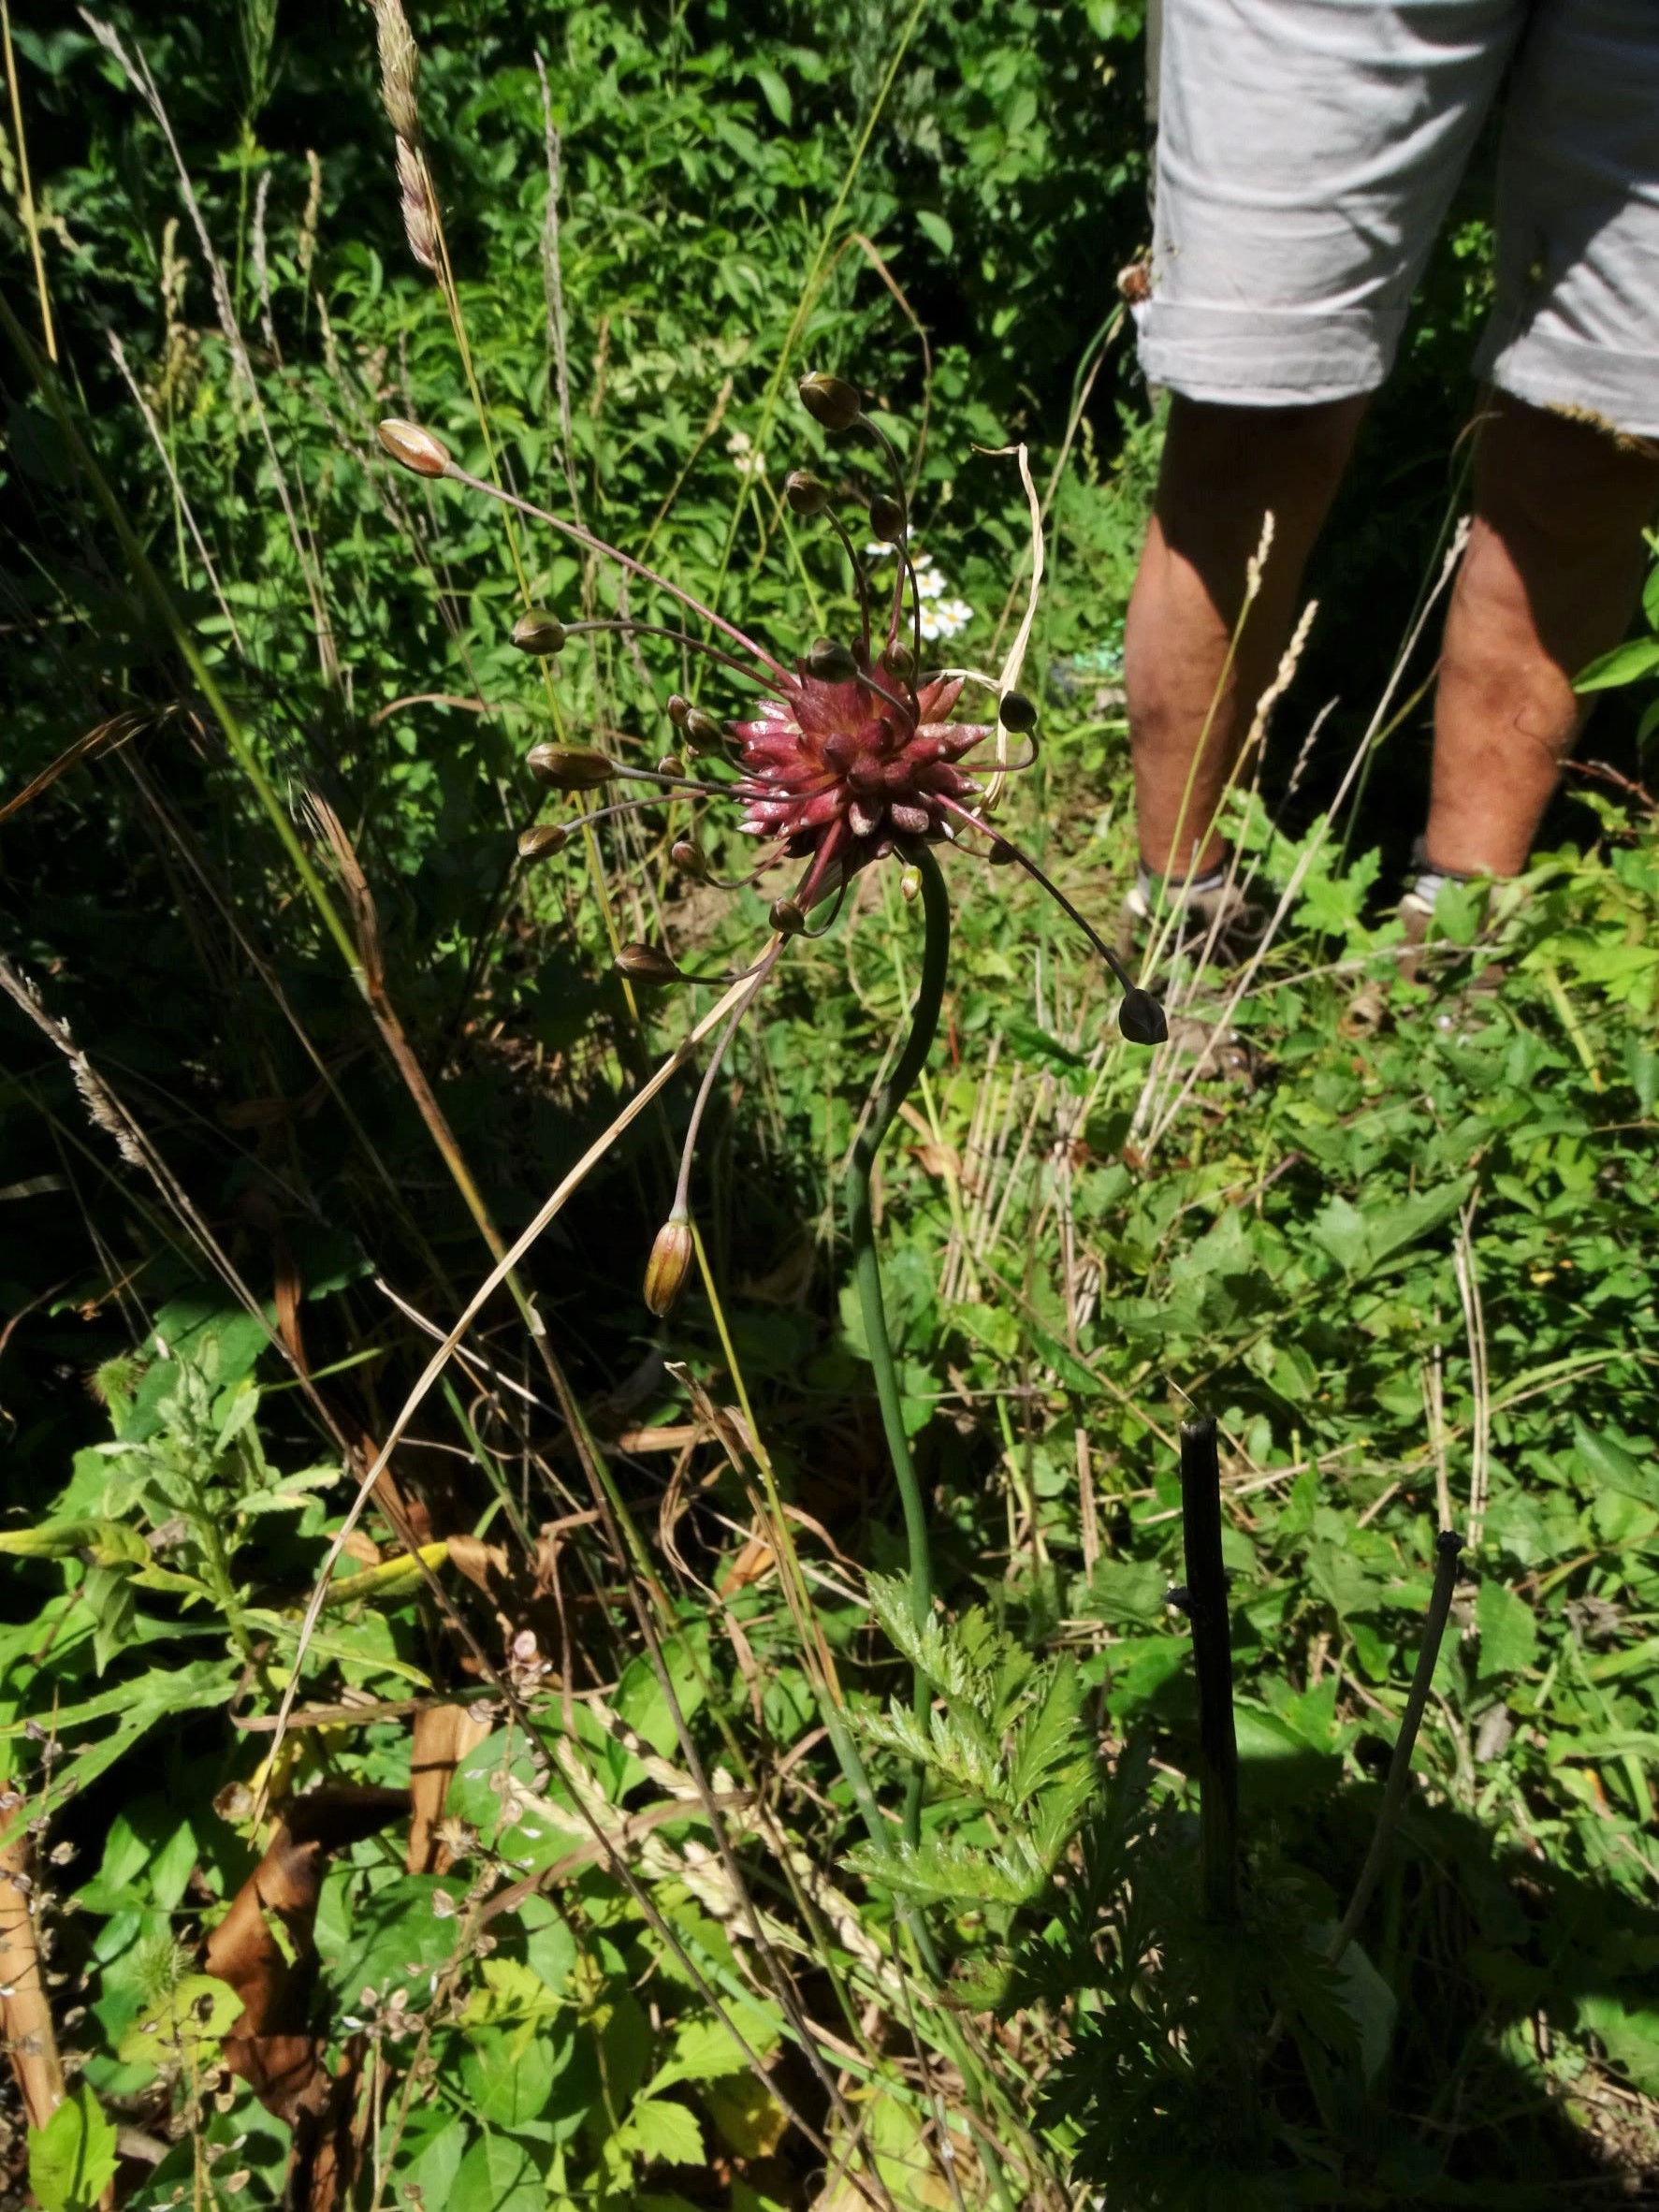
[578, 1877]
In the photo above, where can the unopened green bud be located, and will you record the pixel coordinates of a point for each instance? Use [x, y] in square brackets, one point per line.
[678, 707]
[831, 401]
[669, 1264]
[787, 918]
[805, 493]
[887, 519]
[898, 660]
[542, 840]
[569, 768]
[688, 858]
[417, 449]
[910, 884]
[702, 731]
[1141, 1019]
[539, 632]
[645, 964]
[1017, 713]
[831, 661]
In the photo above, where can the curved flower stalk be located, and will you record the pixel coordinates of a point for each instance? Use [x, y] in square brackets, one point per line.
[850, 756]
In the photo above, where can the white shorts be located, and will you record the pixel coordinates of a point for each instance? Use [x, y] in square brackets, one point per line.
[1308, 150]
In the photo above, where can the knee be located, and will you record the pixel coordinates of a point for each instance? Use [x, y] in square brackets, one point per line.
[1561, 489]
[1225, 468]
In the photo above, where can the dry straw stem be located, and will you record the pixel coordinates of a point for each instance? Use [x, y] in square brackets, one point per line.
[1014, 660]
[738, 995]
[1479, 1385]
[139, 76]
[25, 190]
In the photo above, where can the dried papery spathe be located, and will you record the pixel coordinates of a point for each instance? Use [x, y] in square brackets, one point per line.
[416, 448]
[569, 768]
[538, 633]
[669, 1264]
[830, 401]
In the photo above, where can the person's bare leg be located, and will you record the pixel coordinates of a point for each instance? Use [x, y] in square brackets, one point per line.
[1554, 563]
[1223, 469]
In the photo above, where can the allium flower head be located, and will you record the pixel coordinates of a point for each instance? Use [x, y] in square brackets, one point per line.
[847, 771]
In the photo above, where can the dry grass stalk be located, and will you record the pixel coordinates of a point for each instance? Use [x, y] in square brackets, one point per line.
[25, 2016]
[118, 353]
[137, 73]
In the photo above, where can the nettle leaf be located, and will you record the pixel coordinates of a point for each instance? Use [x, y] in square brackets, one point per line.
[1508, 1628]
[658, 2128]
[72, 2159]
[707, 2050]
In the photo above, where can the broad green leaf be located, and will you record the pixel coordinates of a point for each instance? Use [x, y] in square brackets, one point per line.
[1626, 663]
[1629, 2032]
[933, 228]
[642, 1703]
[497, 2174]
[1125, 1593]
[196, 2013]
[72, 2159]
[658, 2128]
[1611, 1465]
[776, 92]
[703, 2050]
[1508, 1628]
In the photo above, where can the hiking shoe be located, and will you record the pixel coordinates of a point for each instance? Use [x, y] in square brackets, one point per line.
[1211, 918]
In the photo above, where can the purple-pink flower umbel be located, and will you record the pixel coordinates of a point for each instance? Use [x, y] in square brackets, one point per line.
[849, 771]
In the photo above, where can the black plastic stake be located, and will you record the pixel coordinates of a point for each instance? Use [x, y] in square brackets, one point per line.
[1212, 1657]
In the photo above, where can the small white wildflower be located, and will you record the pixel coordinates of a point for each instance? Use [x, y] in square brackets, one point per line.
[929, 584]
[745, 459]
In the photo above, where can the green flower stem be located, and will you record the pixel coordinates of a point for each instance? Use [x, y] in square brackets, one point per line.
[867, 1266]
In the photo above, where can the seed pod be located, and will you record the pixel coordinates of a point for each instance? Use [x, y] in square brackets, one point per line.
[569, 768]
[671, 764]
[417, 449]
[702, 731]
[542, 840]
[1017, 713]
[539, 632]
[787, 918]
[669, 1264]
[807, 494]
[678, 707]
[910, 884]
[645, 964]
[831, 662]
[1141, 1019]
[898, 660]
[830, 400]
[887, 519]
[688, 858]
